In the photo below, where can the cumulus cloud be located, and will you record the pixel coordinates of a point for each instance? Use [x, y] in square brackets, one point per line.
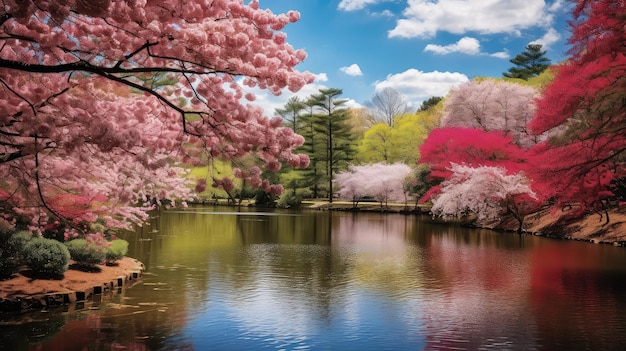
[351, 103]
[352, 70]
[557, 5]
[424, 18]
[502, 54]
[465, 45]
[321, 77]
[551, 37]
[384, 13]
[418, 86]
[353, 5]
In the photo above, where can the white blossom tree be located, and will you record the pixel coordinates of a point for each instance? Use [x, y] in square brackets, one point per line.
[487, 192]
[385, 182]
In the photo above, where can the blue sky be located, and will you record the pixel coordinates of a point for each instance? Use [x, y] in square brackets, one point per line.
[421, 48]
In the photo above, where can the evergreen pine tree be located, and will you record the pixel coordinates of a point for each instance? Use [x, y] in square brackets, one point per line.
[529, 63]
[313, 147]
[328, 140]
[291, 112]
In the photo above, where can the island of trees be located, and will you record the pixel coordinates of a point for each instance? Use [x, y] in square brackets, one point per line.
[113, 108]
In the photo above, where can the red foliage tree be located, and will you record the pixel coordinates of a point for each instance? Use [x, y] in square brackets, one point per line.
[470, 147]
[587, 103]
[84, 113]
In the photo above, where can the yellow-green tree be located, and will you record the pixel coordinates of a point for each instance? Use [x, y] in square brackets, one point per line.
[378, 144]
[400, 143]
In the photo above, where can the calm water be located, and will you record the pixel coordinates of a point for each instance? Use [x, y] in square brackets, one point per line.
[222, 280]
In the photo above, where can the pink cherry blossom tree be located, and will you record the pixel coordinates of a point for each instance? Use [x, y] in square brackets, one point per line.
[487, 192]
[88, 130]
[385, 182]
[491, 106]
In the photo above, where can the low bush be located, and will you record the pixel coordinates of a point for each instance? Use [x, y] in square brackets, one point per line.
[46, 257]
[84, 253]
[19, 239]
[117, 250]
[290, 200]
[11, 250]
[263, 199]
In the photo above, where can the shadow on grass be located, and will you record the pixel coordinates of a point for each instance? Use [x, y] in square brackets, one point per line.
[32, 275]
[88, 268]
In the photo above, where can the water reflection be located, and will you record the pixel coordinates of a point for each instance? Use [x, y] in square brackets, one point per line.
[223, 280]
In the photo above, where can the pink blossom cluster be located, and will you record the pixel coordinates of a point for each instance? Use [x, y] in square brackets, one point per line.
[85, 134]
[97, 242]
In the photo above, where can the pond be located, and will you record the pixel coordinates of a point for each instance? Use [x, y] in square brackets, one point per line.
[221, 279]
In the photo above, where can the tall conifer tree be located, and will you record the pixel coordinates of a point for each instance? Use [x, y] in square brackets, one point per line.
[329, 139]
[529, 63]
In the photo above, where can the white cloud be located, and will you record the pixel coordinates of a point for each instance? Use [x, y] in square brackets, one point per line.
[502, 54]
[321, 77]
[270, 102]
[353, 5]
[384, 13]
[351, 103]
[551, 37]
[557, 5]
[424, 18]
[465, 45]
[352, 70]
[418, 86]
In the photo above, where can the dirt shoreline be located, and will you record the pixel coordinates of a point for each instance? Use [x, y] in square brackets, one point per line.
[20, 292]
[546, 222]
[590, 227]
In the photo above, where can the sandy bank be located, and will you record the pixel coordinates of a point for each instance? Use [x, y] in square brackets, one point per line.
[21, 292]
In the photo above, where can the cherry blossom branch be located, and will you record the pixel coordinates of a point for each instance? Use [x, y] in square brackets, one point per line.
[32, 107]
[130, 55]
[5, 17]
[109, 73]
[39, 189]
[87, 67]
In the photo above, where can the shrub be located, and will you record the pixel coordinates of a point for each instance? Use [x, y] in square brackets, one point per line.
[263, 199]
[11, 250]
[117, 250]
[290, 200]
[46, 257]
[85, 253]
[19, 239]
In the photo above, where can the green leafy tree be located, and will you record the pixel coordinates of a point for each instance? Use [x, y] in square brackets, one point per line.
[410, 132]
[419, 182]
[401, 142]
[378, 144]
[530, 63]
